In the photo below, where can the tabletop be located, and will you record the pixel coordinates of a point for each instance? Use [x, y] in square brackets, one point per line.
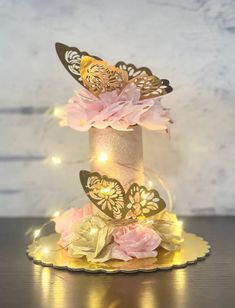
[209, 283]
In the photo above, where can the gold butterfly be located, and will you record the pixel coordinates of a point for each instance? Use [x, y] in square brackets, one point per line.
[109, 196]
[98, 76]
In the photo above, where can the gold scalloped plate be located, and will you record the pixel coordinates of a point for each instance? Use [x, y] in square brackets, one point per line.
[46, 252]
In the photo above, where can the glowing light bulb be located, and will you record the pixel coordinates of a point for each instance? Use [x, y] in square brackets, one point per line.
[56, 160]
[36, 233]
[103, 157]
[105, 190]
[93, 230]
[180, 223]
[145, 196]
[57, 112]
[56, 214]
[150, 184]
[45, 250]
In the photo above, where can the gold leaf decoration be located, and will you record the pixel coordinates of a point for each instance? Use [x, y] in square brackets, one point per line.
[193, 249]
[109, 196]
[142, 202]
[150, 86]
[71, 58]
[106, 193]
[98, 76]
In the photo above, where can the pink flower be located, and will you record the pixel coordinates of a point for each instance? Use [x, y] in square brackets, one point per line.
[64, 222]
[134, 241]
[118, 110]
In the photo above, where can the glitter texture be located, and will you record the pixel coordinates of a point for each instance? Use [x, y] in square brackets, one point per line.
[124, 152]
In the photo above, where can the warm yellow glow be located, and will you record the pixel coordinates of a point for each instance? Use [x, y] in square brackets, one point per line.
[180, 223]
[36, 233]
[56, 160]
[142, 217]
[103, 157]
[150, 184]
[82, 122]
[93, 230]
[96, 294]
[148, 297]
[57, 112]
[149, 221]
[105, 190]
[56, 214]
[181, 286]
[43, 282]
[145, 196]
[45, 250]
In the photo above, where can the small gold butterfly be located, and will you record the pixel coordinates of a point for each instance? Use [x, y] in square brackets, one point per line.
[98, 76]
[110, 197]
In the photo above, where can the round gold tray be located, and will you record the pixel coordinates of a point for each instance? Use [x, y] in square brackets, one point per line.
[46, 252]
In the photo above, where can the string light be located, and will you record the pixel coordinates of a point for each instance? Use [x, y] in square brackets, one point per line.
[57, 112]
[103, 157]
[145, 196]
[180, 223]
[105, 190]
[93, 231]
[56, 160]
[45, 250]
[36, 233]
[56, 214]
[150, 184]
[149, 222]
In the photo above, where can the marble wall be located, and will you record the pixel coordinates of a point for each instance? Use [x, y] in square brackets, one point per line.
[190, 42]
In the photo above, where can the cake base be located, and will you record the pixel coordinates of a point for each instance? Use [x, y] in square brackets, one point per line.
[47, 252]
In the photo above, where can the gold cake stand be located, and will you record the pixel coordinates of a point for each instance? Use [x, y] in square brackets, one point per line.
[47, 252]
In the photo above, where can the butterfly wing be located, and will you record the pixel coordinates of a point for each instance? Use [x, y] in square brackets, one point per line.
[105, 193]
[71, 58]
[149, 85]
[98, 76]
[142, 202]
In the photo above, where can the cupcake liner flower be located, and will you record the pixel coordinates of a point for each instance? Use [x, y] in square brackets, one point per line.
[90, 239]
[64, 222]
[119, 110]
[169, 229]
[134, 241]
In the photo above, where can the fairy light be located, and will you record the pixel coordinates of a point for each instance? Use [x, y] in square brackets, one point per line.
[103, 157]
[57, 112]
[145, 196]
[36, 233]
[105, 190]
[150, 184]
[180, 223]
[45, 250]
[93, 231]
[149, 221]
[56, 214]
[56, 160]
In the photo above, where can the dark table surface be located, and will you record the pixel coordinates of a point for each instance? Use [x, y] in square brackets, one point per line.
[210, 283]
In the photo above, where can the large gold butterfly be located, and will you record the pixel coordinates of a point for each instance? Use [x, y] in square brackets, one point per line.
[98, 76]
[110, 197]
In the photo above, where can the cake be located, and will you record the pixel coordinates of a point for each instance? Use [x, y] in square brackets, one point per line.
[126, 223]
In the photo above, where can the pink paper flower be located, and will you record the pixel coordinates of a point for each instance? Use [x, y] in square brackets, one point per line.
[118, 110]
[64, 222]
[134, 241]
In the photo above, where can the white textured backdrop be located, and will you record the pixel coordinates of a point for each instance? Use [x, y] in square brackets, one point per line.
[190, 42]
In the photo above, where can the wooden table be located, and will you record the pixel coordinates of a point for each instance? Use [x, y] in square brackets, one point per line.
[210, 283]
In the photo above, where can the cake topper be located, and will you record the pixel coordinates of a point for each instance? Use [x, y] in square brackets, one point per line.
[98, 76]
[109, 196]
